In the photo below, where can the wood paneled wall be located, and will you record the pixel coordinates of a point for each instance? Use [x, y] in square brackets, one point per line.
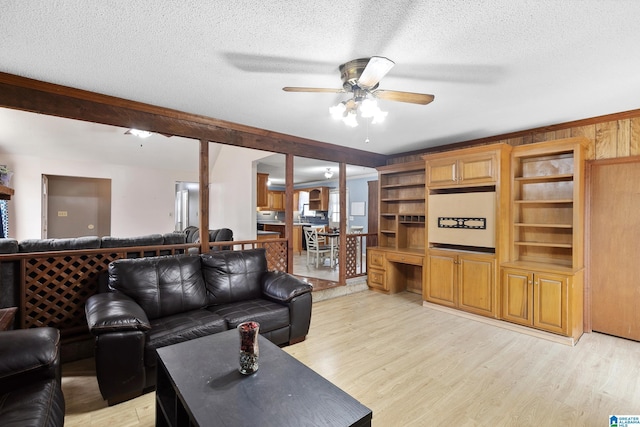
[611, 136]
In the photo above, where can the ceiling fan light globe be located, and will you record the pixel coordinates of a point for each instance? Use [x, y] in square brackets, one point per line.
[369, 108]
[337, 111]
[379, 117]
[350, 119]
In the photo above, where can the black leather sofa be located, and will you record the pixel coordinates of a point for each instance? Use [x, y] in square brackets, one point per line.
[158, 301]
[30, 378]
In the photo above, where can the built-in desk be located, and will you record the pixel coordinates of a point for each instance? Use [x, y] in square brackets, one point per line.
[395, 270]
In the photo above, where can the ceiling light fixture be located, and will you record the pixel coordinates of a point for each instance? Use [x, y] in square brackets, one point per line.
[347, 111]
[328, 174]
[139, 133]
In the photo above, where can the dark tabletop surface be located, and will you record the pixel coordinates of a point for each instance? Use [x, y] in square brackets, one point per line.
[283, 392]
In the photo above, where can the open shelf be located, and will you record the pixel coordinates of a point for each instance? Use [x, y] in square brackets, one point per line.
[547, 178]
[402, 207]
[546, 194]
[544, 201]
[536, 225]
[544, 244]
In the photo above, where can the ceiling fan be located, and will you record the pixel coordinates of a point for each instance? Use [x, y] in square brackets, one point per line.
[362, 77]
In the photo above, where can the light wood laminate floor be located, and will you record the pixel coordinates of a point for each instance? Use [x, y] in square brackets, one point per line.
[415, 366]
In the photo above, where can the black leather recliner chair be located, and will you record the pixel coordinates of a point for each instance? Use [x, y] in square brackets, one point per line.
[158, 301]
[30, 378]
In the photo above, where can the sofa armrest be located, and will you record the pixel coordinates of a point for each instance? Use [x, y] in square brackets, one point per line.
[115, 312]
[283, 287]
[28, 355]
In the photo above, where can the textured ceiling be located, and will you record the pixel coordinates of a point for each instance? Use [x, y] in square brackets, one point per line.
[494, 66]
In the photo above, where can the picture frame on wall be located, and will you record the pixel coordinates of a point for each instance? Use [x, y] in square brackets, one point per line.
[357, 208]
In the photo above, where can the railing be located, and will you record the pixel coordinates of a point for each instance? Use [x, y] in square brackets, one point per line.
[51, 288]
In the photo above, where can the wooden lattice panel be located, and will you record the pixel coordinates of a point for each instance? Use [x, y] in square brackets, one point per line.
[57, 288]
[276, 253]
[352, 256]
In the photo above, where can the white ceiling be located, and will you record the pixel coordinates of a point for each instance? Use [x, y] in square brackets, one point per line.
[494, 66]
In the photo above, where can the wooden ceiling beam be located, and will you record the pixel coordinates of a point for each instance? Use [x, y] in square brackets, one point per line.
[47, 98]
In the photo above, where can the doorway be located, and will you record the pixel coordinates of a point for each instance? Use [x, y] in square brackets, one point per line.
[187, 205]
[614, 227]
[76, 206]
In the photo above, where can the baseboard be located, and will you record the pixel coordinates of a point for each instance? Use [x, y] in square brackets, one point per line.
[570, 341]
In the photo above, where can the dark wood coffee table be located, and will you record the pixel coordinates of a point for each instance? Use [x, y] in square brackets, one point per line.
[199, 385]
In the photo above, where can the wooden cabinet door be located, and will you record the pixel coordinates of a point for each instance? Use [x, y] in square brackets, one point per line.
[476, 169]
[550, 310]
[476, 284]
[441, 278]
[442, 172]
[297, 239]
[262, 196]
[517, 301]
[276, 200]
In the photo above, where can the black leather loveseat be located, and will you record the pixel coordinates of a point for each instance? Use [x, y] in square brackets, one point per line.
[157, 301]
[30, 382]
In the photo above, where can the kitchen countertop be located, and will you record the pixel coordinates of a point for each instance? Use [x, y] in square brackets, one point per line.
[282, 223]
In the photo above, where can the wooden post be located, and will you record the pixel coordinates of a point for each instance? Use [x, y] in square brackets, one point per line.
[342, 254]
[288, 212]
[204, 196]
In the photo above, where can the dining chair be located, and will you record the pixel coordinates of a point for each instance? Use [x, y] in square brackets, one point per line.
[314, 247]
[322, 240]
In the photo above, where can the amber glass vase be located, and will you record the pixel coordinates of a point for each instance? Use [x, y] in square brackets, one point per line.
[248, 347]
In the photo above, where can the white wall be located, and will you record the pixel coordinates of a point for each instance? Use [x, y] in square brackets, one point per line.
[142, 199]
[232, 197]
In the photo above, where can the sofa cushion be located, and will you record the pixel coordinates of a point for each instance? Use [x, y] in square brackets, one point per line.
[232, 276]
[163, 285]
[8, 246]
[269, 314]
[120, 242]
[39, 403]
[174, 238]
[181, 327]
[46, 245]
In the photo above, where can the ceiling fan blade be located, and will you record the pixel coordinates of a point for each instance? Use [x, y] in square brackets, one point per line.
[375, 70]
[311, 89]
[412, 97]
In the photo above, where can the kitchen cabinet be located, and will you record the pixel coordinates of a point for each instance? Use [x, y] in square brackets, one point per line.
[462, 280]
[262, 197]
[319, 199]
[279, 228]
[297, 239]
[275, 200]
